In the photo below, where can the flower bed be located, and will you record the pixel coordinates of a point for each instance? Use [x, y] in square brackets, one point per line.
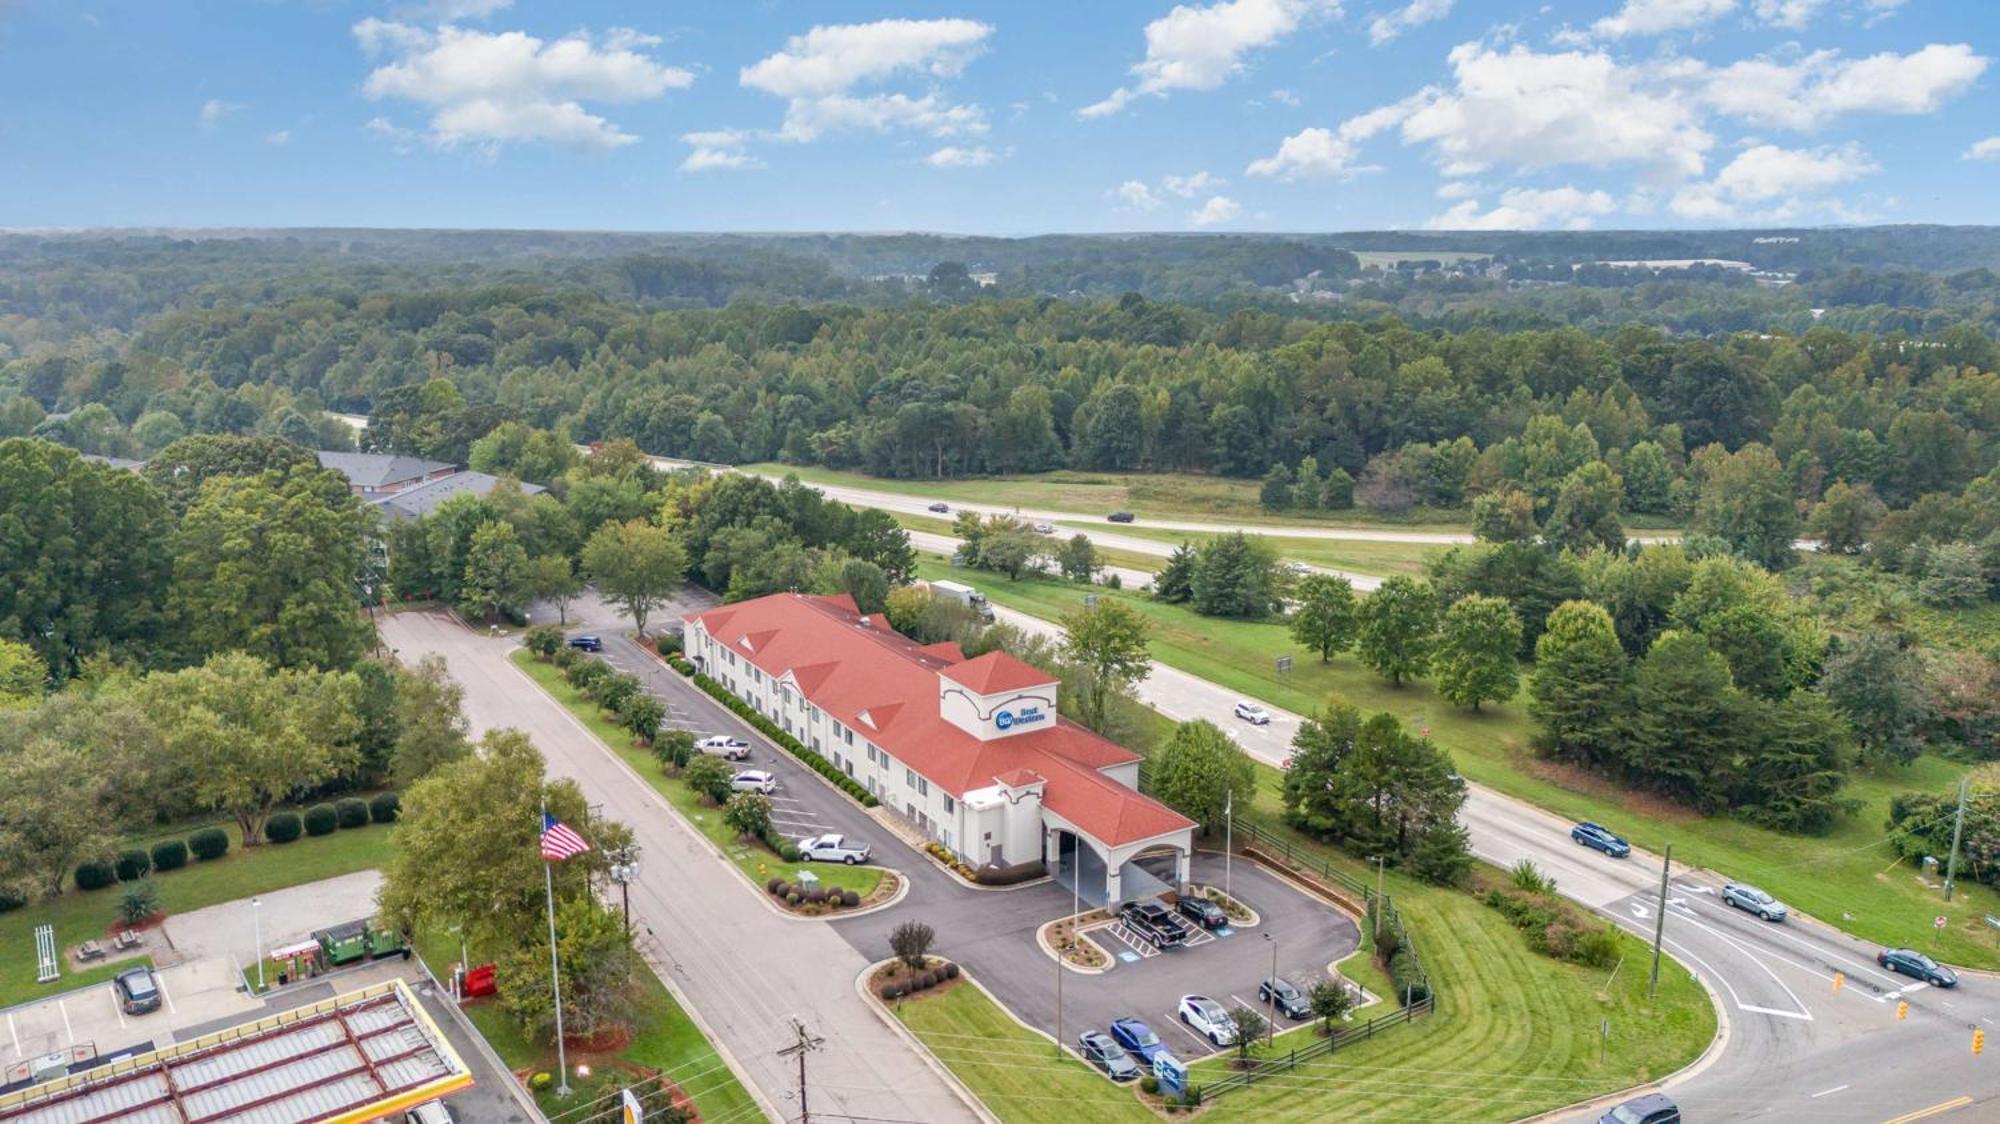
[896, 980]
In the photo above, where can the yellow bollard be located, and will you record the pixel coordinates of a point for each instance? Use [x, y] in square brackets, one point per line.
[1902, 1008]
[1839, 980]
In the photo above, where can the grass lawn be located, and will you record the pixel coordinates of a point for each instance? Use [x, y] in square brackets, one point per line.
[79, 915]
[1360, 557]
[1108, 556]
[1849, 877]
[752, 858]
[663, 1039]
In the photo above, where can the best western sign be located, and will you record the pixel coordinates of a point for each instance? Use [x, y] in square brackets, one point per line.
[1019, 714]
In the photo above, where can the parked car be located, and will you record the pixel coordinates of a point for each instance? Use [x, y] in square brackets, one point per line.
[1154, 922]
[431, 1112]
[940, 508]
[1252, 713]
[725, 747]
[1910, 962]
[1045, 528]
[1744, 896]
[1648, 1108]
[1207, 1018]
[1202, 912]
[754, 780]
[1286, 996]
[1121, 517]
[587, 643]
[833, 849]
[1591, 835]
[138, 991]
[1298, 568]
[1099, 1050]
[1136, 1036]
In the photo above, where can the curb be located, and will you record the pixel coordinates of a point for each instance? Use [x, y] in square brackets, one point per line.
[930, 1060]
[1041, 942]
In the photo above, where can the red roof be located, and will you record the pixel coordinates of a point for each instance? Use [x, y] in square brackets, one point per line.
[846, 667]
[997, 671]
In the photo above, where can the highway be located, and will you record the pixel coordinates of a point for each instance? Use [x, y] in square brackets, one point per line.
[1790, 1045]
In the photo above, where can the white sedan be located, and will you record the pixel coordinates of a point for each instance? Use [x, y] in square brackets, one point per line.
[754, 780]
[1252, 713]
[1207, 1018]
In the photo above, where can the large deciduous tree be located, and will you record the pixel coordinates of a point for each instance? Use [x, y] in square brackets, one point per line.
[1107, 641]
[1200, 771]
[1377, 790]
[1578, 690]
[1323, 618]
[53, 797]
[497, 577]
[637, 566]
[431, 730]
[1399, 623]
[1585, 516]
[1877, 683]
[1478, 654]
[180, 469]
[1745, 501]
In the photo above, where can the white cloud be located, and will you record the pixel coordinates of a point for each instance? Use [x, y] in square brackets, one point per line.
[1416, 13]
[280, 137]
[403, 140]
[817, 72]
[1988, 149]
[1792, 15]
[955, 156]
[1135, 195]
[1187, 187]
[718, 150]
[213, 111]
[1534, 110]
[1818, 87]
[1767, 172]
[1218, 209]
[1458, 189]
[1528, 209]
[1200, 48]
[1651, 17]
[447, 11]
[492, 89]
[1285, 97]
[1328, 152]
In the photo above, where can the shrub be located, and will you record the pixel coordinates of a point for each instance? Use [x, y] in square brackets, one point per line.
[584, 673]
[384, 807]
[1149, 1085]
[892, 991]
[849, 898]
[209, 843]
[133, 865]
[910, 941]
[1598, 946]
[789, 852]
[710, 777]
[543, 1079]
[771, 885]
[321, 819]
[170, 855]
[749, 813]
[94, 875]
[674, 748]
[283, 827]
[567, 657]
[667, 643]
[1387, 941]
[139, 901]
[1408, 979]
[793, 897]
[352, 811]
[11, 899]
[544, 640]
[951, 970]
[784, 741]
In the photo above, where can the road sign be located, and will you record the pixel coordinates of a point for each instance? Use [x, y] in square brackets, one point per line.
[1940, 922]
[1284, 664]
[1090, 601]
[1171, 1072]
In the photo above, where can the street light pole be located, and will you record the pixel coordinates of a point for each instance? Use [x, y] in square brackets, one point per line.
[1660, 924]
[257, 923]
[1271, 1027]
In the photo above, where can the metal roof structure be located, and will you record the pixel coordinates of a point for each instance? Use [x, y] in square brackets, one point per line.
[352, 1058]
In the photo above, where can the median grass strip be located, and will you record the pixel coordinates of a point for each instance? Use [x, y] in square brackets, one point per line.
[80, 915]
[756, 862]
[1849, 876]
[1358, 556]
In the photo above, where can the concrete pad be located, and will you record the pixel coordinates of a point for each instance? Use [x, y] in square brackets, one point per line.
[230, 930]
[89, 1021]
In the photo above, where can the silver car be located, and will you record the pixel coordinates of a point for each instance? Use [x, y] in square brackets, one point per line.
[1746, 897]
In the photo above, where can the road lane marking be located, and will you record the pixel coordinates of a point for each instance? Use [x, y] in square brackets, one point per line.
[1934, 1110]
[1827, 1092]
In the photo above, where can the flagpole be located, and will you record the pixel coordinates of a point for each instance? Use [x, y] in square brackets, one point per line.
[555, 970]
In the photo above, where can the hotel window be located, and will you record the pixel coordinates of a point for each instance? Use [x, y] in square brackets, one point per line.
[909, 777]
[923, 787]
[949, 807]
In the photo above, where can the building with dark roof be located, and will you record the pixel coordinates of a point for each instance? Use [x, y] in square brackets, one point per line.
[971, 752]
[377, 474]
[419, 500]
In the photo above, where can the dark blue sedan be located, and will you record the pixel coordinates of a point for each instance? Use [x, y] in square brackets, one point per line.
[1591, 835]
[1139, 1038]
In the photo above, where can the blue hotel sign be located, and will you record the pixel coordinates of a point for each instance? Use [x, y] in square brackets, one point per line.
[1171, 1072]
[1027, 715]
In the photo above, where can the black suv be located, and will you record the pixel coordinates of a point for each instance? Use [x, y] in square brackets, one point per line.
[1120, 517]
[1285, 995]
[1202, 912]
[586, 643]
[1155, 922]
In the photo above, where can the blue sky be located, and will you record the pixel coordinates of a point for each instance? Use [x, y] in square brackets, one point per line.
[1005, 118]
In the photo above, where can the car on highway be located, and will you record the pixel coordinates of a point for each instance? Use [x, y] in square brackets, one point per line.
[1910, 962]
[1099, 1050]
[1206, 1017]
[138, 990]
[1591, 835]
[1136, 1036]
[1252, 713]
[1750, 899]
[1285, 996]
[940, 508]
[725, 747]
[1201, 911]
[587, 643]
[1045, 528]
[833, 849]
[1156, 923]
[1121, 517]
[1647, 1108]
[754, 780]
[1298, 568]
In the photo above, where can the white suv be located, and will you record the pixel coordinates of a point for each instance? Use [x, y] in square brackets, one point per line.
[1208, 1019]
[1252, 713]
[754, 780]
[725, 747]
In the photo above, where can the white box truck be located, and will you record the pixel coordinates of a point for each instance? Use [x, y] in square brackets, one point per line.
[964, 595]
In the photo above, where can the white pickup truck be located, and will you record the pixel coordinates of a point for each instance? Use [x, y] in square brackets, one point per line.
[833, 849]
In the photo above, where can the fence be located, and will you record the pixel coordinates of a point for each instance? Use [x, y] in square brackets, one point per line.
[1261, 1068]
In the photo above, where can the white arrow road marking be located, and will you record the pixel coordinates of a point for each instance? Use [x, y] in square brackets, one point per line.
[1686, 889]
[1640, 911]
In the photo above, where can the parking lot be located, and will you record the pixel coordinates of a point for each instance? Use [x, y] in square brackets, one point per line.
[89, 1022]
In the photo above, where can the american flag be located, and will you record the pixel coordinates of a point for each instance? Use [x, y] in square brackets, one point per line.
[559, 840]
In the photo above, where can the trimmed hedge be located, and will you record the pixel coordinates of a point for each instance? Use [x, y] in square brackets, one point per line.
[352, 811]
[11, 900]
[921, 980]
[1411, 985]
[321, 819]
[94, 875]
[385, 807]
[784, 741]
[170, 855]
[283, 827]
[133, 865]
[209, 843]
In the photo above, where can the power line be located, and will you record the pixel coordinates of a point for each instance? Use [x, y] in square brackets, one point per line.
[807, 1043]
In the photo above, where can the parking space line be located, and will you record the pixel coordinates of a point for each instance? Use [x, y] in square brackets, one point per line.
[1206, 1046]
[15, 1033]
[165, 994]
[117, 1008]
[60, 1006]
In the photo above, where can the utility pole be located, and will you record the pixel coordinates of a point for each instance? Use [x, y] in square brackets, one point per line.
[1660, 923]
[806, 1044]
[1957, 828]
[1061, 952]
